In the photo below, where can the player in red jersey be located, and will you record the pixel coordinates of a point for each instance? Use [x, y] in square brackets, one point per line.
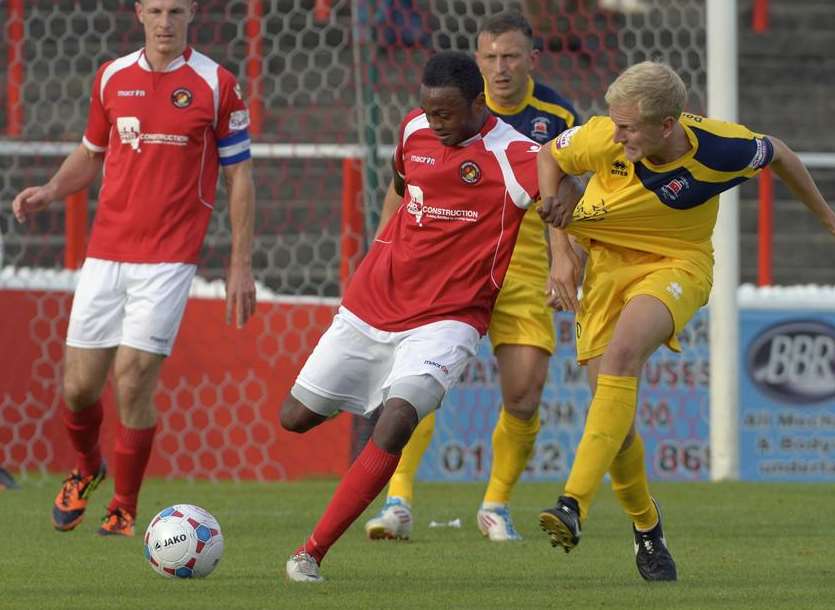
[415, 309]
[521, 328]
[161, 120]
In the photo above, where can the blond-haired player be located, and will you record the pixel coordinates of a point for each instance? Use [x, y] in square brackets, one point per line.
[645, 220]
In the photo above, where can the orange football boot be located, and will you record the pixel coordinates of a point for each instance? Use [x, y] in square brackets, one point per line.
[117, 522]
[71, 501]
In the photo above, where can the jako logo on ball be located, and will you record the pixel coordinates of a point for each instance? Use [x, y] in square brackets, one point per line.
[183, 541]
[794, 362]
[172, 540]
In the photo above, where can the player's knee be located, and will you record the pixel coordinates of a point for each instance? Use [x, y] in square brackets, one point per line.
[395, 426]
[521, 400]
[623, 358]
[79, 393]
[295, 417]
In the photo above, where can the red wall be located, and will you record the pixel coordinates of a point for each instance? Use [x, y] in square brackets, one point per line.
[218, 396]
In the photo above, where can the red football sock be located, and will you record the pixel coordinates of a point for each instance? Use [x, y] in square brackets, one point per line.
[83, 428]
[364, 480]
[133, 450]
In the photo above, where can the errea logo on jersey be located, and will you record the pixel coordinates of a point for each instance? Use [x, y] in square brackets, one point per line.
[619, 168]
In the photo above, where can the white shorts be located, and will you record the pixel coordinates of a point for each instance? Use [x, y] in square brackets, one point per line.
[135, 304]
[355, 364]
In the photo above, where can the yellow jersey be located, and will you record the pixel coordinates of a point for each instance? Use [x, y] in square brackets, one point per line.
[667, 209]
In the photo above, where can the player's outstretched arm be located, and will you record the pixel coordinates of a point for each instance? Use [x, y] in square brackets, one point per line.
[788, 166]
[77, 172]
[240, 285]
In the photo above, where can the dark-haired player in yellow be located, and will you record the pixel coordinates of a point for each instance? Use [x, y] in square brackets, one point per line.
[645, 220]
[521, 328]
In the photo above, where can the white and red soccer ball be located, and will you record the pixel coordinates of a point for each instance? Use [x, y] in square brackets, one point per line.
[183, 541]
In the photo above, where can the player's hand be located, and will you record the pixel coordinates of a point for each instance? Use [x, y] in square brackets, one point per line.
[240, 294]
[563, 281]
[558, 210]
[31, 200]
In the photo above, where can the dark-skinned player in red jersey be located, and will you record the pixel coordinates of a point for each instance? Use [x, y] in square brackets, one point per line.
[420, 301]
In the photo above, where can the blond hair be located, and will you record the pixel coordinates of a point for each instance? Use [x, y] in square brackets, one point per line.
[655, 87]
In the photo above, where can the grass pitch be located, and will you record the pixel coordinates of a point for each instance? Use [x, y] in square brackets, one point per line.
[736, 545]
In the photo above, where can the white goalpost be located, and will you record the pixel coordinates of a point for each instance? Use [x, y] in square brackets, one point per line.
[724, 312]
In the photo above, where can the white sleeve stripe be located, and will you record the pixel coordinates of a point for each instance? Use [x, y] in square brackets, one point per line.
[233, 149]
[419, 122]
[118, 64]
[207, 69]
[520, 197]
[497, 141]
[90, 146]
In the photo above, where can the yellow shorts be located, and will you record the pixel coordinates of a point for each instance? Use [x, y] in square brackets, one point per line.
[521, 316]
[615, 275]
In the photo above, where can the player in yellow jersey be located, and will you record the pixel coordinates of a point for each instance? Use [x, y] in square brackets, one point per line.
[521, 329]
[645, 220]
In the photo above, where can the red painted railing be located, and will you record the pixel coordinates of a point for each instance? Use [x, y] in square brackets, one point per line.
[14, 78]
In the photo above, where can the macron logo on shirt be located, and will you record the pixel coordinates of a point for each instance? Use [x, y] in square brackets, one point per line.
[422, 159]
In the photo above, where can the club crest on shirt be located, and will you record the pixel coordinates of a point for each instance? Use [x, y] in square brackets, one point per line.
[674, 188]
[470, 172]
[539, 128]
[181, 97]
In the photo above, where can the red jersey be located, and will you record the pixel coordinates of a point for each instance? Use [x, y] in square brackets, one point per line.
[163, 134]
[443, 255]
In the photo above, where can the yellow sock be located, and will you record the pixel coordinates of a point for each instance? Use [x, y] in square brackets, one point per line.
[403, 481]
[629, 482]
[610, 416]
[513, 440]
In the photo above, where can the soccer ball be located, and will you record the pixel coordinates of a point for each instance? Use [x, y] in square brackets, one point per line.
[183, 541]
